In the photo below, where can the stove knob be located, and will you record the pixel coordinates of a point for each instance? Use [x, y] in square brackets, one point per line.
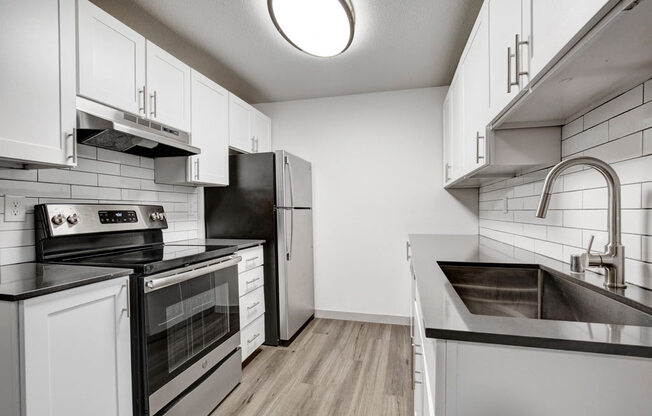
[161, 216]
[58, 219]
[73, 219]
[154, 216]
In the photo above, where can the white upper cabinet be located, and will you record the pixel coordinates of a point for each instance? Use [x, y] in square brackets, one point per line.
[37, 86]
[552, 25]
[262, 132]
[475, 75]
[447, 115]
[504, 28]
[210, 131]
[168, 88]
[111, 60]
[240, 137]
[250, 131]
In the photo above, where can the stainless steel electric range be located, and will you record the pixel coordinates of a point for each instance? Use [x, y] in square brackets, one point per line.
[184, 313]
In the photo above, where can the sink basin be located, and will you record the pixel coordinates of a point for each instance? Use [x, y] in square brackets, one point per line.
[533, 293]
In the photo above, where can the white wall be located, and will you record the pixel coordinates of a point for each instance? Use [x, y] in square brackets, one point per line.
[377, 177]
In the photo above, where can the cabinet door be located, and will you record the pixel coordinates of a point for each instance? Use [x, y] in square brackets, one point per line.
[447, 118]
[111, 60]
[240, 135]
[210, 131]
[168, 88]
[553, 23]
[77, 351]
[262, 131]
[504, 25]
[37, 86]
[475, 76]
[457, 128]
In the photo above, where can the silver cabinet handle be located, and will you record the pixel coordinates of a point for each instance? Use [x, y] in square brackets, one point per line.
[252, 339]
[253, 305]
[152, 97]
[517, 44]
[448, 167]
[141, 107]
[73, 144]
[407, 251]
[248, 282]
[510, 55]
[477, 147]
[128, 305]
[253, 144]
[196, 169]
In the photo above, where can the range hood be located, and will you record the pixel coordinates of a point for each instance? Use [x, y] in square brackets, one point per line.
[103, 126]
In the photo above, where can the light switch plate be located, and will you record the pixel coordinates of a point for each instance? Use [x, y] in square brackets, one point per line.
[15, 208]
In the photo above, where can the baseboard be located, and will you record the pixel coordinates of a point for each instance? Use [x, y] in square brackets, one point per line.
[363, 317]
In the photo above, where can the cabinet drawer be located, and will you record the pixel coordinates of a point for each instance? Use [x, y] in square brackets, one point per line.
[252, 336]
[250, 280]
[252, 305]
[251, 258]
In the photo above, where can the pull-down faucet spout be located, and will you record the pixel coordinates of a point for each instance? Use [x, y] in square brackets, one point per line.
[613, 259]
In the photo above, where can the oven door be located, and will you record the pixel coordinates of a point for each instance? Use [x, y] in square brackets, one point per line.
[191, 323]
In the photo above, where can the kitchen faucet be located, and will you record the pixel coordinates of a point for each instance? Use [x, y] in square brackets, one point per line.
[613, 258]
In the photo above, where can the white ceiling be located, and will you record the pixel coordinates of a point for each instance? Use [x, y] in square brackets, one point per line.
[398, 44]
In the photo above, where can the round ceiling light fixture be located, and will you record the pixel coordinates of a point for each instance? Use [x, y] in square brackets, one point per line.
[318, 27]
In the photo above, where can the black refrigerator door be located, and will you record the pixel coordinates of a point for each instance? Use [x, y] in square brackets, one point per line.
[246, 209]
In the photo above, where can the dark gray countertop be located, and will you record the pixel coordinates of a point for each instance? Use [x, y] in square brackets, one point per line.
[29, 280]
[241, 243]
[446, 317]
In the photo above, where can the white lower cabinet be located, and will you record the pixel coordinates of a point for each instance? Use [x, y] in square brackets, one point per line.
[70, 352]
[455, 378]
[252, 300]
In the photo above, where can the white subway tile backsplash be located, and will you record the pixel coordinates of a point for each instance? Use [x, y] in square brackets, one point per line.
[589, 138]
[118, 157]
[571, 129]
[566, 200]
[535, 231]
[614, 107]
[34, 189]
[111, 181]
[630, 122]
[548, 249]
[524, 242]
[627, 147]
[632, 243]
[567, 236]
[637, 221]
[95, 192]
[67, 176]
[554, 217]
[136, 172]
[647, 87]
[634, 170]
[592, 219]
[114, 178]
[646, 249]
[646, 195]
[585, 179]
[647, 142]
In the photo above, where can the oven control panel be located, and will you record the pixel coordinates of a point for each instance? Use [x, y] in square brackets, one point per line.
[69, 219]
[112, 217]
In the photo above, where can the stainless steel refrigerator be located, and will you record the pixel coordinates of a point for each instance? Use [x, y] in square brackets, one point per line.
[270, 197]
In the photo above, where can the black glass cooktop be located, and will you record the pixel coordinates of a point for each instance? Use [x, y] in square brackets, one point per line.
[154, 259]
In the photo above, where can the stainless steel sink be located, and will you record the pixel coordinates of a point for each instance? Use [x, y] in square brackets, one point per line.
[533, 293]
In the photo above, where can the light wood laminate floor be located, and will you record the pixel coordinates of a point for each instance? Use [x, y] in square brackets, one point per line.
[332, 368]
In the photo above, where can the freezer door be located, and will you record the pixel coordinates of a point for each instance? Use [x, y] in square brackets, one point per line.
[296, 273]
[294, 181]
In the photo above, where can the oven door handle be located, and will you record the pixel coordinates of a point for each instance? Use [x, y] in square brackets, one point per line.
[154, 283]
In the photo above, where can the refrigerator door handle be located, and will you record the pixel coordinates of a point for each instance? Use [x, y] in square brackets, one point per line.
[289, 165]
[289, 256]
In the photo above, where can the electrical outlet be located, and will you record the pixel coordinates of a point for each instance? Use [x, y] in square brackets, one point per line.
[15, 208]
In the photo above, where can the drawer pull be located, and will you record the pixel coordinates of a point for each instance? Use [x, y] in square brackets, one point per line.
[248, 282]
[253, 305]
[249, 341]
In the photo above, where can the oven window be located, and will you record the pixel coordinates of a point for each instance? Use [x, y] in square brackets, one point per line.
[187, 320]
